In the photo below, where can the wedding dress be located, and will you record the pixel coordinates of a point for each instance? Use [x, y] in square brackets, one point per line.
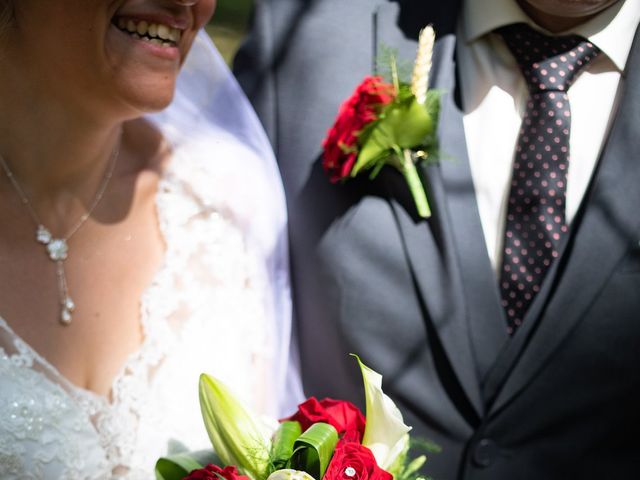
[219, 304]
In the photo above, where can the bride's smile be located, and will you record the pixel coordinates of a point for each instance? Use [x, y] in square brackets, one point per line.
[159, 39]
[156, 34]
[163, 32]
[128, 53]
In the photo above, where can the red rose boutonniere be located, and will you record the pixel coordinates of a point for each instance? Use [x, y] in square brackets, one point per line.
[387, 123]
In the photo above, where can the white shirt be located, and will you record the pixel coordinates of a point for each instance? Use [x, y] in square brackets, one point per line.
[494, 93]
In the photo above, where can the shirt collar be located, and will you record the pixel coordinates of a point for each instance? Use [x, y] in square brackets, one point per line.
[612, 31]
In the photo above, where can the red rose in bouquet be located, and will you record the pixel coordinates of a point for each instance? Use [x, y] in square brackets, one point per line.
[214, 472]
[353, 461]
[362, 108]
[342, 415]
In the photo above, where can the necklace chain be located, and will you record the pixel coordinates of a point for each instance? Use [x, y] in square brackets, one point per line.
[57, 248]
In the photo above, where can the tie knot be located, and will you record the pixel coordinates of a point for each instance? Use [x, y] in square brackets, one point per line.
[547, 63]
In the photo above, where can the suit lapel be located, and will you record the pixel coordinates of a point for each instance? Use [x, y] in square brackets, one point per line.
[458, 303]
[485, 315]
[608, 226]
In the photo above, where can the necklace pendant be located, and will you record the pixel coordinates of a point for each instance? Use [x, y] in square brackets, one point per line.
[69, 305]
[43, 235]
[65, 317]
[66, 313]
[57, 249]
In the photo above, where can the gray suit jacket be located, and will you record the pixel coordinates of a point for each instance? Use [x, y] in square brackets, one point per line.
[417, 299]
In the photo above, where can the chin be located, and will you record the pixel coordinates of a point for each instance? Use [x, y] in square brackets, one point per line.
[570, 8]
[148, 97]
[155, 104]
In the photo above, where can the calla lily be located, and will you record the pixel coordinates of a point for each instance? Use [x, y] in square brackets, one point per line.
[290, 474]
[385, 434]
[237, 437]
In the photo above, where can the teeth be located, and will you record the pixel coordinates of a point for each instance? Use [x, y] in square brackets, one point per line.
[143, 29]
[163, 32]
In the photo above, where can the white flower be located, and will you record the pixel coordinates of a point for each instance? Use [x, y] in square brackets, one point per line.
[290, 474]
[238, 437]
[385, 434]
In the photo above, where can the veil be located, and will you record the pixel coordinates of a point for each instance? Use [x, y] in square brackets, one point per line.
[210, 116]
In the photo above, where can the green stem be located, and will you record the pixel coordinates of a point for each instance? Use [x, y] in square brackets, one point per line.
[415, 184]
[394, 74]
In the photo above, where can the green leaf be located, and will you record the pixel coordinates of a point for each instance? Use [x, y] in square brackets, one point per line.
[408, 123]
[433, 103]
[283, 442]
[388, 65]
[404, 124]
[176, 467]
[415, 465]
[425, 445]
[411, 471]
[314, 448]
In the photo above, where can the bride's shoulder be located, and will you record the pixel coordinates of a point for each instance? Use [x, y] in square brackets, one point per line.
[224, 174]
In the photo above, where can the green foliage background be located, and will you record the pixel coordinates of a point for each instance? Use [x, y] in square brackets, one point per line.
[229, 24]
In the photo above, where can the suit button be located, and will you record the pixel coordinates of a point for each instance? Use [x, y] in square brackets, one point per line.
[485, 452]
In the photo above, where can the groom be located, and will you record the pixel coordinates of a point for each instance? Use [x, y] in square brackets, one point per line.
[511, 340]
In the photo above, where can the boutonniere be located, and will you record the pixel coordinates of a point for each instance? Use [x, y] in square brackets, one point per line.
[388, 122]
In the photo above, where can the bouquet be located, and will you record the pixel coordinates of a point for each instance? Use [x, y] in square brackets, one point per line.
[324, 440]
[388, 122]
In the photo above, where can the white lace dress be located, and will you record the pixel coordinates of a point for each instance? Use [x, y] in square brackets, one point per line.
[204, 312]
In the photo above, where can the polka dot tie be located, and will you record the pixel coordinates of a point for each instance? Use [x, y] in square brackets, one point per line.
[536, 222]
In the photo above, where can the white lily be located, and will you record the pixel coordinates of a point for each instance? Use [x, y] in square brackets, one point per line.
[385, 434]
[238, 437]
[290, 474]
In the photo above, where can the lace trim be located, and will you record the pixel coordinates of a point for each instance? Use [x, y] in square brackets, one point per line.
[36, 417]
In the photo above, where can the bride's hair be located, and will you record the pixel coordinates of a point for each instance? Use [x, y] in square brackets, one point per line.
[6, 14]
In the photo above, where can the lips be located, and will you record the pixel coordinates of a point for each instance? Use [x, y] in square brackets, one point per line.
[155, 33]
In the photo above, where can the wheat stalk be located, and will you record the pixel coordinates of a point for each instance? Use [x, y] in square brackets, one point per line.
[422, 67]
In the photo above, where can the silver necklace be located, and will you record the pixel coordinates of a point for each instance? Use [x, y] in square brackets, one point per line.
[57, 249]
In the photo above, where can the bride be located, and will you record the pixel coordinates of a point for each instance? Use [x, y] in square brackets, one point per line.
[137, 249]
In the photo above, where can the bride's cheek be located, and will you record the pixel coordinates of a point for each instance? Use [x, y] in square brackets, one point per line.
[203, 12]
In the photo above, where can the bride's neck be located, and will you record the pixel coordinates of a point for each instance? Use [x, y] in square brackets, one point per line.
[59, 164]
[48, 165]
[52, 150]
